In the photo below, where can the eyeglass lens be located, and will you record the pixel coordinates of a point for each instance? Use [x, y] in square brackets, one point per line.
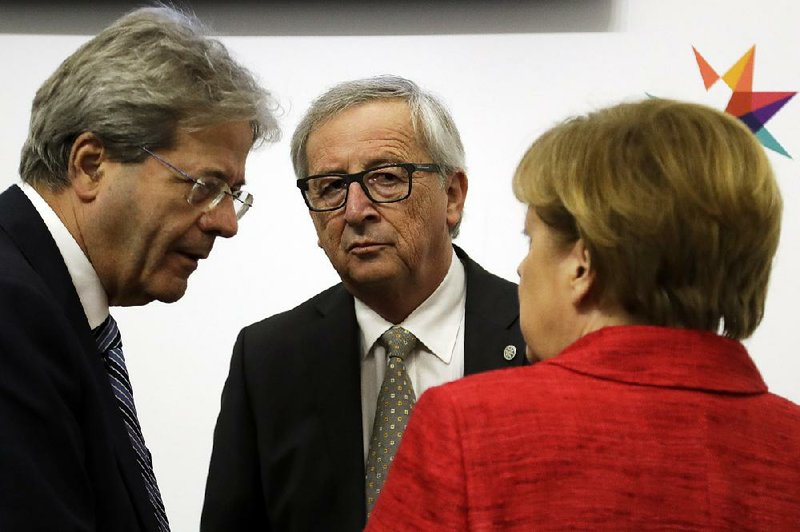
[382, 185]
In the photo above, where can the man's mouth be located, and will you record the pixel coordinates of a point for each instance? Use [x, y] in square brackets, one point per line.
[365, 247]
[192, 257]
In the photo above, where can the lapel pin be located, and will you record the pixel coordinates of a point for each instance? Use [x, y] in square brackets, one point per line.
[510, 352]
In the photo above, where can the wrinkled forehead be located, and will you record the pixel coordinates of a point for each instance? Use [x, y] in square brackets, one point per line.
[388, 112]
[367, 133]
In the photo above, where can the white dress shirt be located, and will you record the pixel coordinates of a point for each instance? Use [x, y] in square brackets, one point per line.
[438, 324]
[87, 284]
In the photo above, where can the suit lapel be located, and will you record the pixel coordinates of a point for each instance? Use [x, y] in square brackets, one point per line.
[338, 388]
[491, 320]
[24, 225]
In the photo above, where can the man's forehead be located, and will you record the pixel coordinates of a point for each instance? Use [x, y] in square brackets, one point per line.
[375, 130]
[375, 113]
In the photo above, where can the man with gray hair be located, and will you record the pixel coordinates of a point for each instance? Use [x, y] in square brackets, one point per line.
[318, 397]
[133, 166]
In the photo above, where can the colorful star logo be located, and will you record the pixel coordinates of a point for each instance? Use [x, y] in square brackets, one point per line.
[754, 108]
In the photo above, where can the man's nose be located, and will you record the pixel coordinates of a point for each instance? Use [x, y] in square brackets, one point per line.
[221, 220]
[358, 207]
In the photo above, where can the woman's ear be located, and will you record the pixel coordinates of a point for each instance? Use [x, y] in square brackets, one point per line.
[84, 168]
[581, 273]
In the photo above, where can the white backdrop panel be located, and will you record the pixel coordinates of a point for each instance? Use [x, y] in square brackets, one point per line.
[503, 91]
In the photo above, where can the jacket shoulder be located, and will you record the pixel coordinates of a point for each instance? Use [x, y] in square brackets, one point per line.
[488, 295]
[298, 320]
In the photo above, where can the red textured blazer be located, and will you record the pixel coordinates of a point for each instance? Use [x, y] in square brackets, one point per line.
[628, 428]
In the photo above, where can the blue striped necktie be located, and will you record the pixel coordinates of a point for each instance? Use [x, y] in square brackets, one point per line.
[109, 342]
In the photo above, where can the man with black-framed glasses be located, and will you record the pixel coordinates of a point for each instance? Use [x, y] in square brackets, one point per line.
[129, 174]
[317, 397]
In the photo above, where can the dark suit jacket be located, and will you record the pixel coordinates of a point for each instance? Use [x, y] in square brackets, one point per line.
[288, 449]
[66, 462]
[629, 428]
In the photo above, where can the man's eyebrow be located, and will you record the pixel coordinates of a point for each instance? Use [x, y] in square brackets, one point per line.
[371, 163]
[382, 161]
[221, 175]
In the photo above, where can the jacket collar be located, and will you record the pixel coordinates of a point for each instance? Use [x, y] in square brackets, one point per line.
[664, 357]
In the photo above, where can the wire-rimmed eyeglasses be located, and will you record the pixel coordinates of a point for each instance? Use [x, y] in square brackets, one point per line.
[208, 191]
[383, 184]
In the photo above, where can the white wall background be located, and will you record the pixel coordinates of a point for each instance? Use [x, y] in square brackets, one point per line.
[503, 88]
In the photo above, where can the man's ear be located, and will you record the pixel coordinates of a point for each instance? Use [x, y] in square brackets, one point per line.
[84, 168]
[582, 275]
[456, 189]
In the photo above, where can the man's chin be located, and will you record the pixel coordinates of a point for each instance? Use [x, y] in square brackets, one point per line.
[173, 293]
[170, 298]
[169, 290]
[367, 276]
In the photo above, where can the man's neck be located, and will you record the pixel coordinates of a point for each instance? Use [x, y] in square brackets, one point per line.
[394, 301]
[62, 206]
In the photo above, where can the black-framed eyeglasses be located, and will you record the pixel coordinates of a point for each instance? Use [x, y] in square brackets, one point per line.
[387, 183]
[208, 192]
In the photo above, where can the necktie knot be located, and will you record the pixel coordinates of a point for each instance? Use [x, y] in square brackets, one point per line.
[399, 342]
[107, 335]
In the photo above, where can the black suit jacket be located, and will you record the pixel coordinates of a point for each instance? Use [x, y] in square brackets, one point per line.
[288, 447]
[66, 462]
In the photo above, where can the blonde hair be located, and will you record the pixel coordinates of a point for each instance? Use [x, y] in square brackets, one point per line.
[676, 203]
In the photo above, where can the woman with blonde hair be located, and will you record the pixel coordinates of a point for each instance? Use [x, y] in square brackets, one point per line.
[652, 228]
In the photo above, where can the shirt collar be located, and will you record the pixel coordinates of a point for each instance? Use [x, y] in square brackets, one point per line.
[88, 286]
[435, 322]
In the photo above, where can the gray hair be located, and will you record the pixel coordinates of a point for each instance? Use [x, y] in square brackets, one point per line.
[136, 83]
[429, 118]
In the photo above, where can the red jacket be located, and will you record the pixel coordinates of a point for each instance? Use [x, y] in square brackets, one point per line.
[628, 428]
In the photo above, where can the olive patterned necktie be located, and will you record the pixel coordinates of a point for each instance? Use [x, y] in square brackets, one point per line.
[391, 415]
